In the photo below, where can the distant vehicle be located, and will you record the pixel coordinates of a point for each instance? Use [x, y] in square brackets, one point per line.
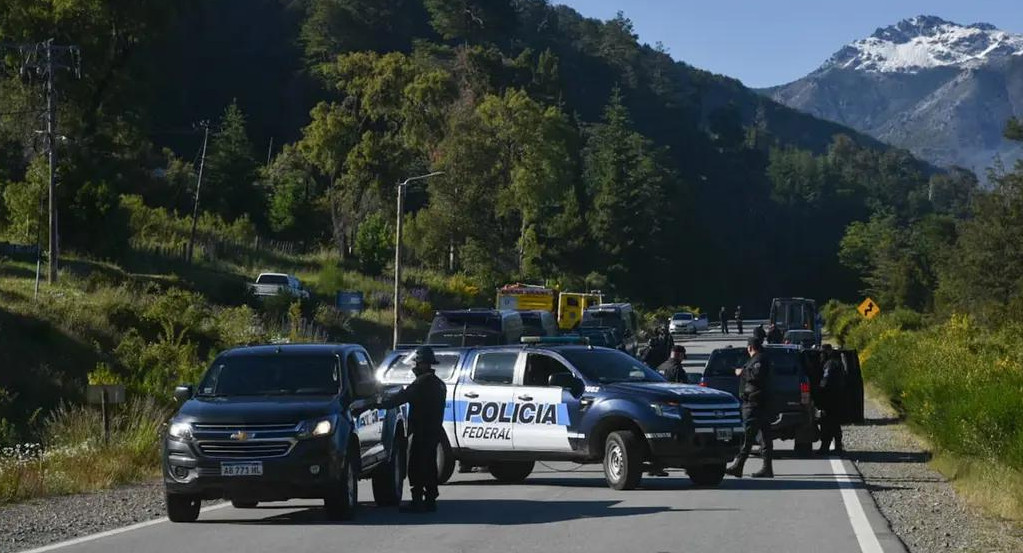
[539, 323]
[600, 336]
[550, 400]
[790, 398]
[804, 338]
[794, 314]
[619, 316]
[272, 284]
[271, 423]
[567, 307]
[682, 323]
[476, 327]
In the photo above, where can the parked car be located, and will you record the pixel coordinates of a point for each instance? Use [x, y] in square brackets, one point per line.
[476, 327]
[272, 284]
[271, 423]
[619, 316]
[513, 406]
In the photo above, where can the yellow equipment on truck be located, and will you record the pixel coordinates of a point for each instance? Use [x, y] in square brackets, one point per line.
[567, 306]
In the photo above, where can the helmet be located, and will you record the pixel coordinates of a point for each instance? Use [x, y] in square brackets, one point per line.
[424, 354]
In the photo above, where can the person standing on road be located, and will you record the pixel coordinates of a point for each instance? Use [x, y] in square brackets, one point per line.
[426, 397]
[738, 319]
[832, 396]
[723, 316]
[759, 333]
[672, 369]
[754, 386]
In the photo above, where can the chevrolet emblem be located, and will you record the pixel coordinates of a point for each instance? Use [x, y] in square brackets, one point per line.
[240, 435]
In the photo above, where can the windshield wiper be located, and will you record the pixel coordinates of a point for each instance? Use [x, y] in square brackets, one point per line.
[218, 394]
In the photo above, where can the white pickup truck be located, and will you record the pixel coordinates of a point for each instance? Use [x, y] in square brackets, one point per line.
[271, 284]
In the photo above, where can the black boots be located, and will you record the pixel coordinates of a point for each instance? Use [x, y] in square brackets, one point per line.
[418, 505]
[735, 469]
[767, 471]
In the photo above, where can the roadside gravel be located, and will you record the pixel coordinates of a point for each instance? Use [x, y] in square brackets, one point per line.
[44, 521]
[922, 507]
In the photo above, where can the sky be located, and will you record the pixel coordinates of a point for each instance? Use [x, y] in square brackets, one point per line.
[771, 42]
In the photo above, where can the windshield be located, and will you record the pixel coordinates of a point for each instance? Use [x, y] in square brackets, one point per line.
[400, 368]
[272, 279]
[799, 335]
[272, 375]
[608, 366]
[723, 362]
[532, 324]
[682, 317]
[603, 318]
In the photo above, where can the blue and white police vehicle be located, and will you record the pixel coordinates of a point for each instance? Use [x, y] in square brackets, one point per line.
[550, 400]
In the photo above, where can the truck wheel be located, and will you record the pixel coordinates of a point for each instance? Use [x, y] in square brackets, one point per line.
[511, 472]
[445, 461]
[706, 475]
[182, 508]
[623, 460]
[389, 478]
[244, 504]
[804, 449]
[343, 499]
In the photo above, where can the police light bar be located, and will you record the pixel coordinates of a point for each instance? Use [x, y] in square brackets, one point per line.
[555, 340]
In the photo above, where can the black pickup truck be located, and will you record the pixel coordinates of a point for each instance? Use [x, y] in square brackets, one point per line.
[271, 423]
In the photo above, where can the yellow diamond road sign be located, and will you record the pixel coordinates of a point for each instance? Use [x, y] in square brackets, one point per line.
[869, 309]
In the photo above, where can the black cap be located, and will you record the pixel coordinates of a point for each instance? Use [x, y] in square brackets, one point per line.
[755, 343]
[424, 354]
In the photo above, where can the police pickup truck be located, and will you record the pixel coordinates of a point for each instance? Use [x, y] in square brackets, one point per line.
[270, 423]
[511, 406]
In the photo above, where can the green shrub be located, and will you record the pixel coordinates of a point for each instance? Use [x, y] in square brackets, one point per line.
[374, 244]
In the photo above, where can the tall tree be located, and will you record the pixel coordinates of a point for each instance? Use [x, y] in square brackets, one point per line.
[230, 178]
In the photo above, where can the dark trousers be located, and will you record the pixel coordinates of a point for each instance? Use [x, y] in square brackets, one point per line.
[422, 470]
[738, 325]
[831, 429]
[757, 423]
[724, 326]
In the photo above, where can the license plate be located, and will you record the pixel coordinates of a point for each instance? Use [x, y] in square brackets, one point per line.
[724, 434]
[242, 469]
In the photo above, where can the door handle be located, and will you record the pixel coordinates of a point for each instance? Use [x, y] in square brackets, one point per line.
[526, 398]
[472, 395]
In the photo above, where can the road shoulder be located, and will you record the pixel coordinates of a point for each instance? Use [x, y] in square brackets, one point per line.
[921, 506]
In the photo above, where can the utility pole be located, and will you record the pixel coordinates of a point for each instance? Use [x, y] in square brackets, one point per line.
[198, 186]
[44, 59]
[397, 252]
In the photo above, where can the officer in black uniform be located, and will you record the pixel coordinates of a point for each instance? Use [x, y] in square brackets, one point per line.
[426, 396]
[759, 333]
[775, 335]
[738, 319]
[753, 389]
[831, 397]
[672, 369]
[723, 316]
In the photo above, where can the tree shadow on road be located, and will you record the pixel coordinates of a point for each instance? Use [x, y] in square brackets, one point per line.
[500, 512]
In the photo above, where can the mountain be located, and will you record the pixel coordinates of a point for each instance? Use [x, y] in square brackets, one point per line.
[939, 89]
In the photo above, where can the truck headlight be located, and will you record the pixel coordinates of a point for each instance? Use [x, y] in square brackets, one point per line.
[670, 409]
[317, 427]
[180, 431]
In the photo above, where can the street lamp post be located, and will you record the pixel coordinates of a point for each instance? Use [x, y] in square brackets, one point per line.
[397, 252]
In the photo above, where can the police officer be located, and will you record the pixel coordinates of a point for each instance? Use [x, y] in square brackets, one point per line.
[723, 316]
[426, 397]
[738, 319]
[831, 397]
[672, 369]
[774, 335]
[753, 389]
[759, 333]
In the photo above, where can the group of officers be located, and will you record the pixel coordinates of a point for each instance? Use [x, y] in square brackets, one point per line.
[427, 396]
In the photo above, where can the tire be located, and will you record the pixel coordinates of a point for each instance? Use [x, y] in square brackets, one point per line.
[445, 461]
[804, 449]
[244, 504]
[623, 460]
[389, 478]
[511, 472]
[343, 500]
[707, 475]
[182, 508]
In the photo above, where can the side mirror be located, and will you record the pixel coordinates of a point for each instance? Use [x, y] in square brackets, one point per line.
[367, 388]
[567, 381]
[183, 393]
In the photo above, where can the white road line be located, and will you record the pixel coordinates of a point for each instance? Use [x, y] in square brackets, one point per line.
[861, 526]
[115, 531]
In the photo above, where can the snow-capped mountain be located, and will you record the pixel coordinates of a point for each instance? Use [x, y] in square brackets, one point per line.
[937, 88]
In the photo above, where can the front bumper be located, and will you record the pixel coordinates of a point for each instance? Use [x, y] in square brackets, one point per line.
[685, 444]
[187, 471]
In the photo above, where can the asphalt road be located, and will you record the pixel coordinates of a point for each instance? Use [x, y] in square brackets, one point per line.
[812, 505]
